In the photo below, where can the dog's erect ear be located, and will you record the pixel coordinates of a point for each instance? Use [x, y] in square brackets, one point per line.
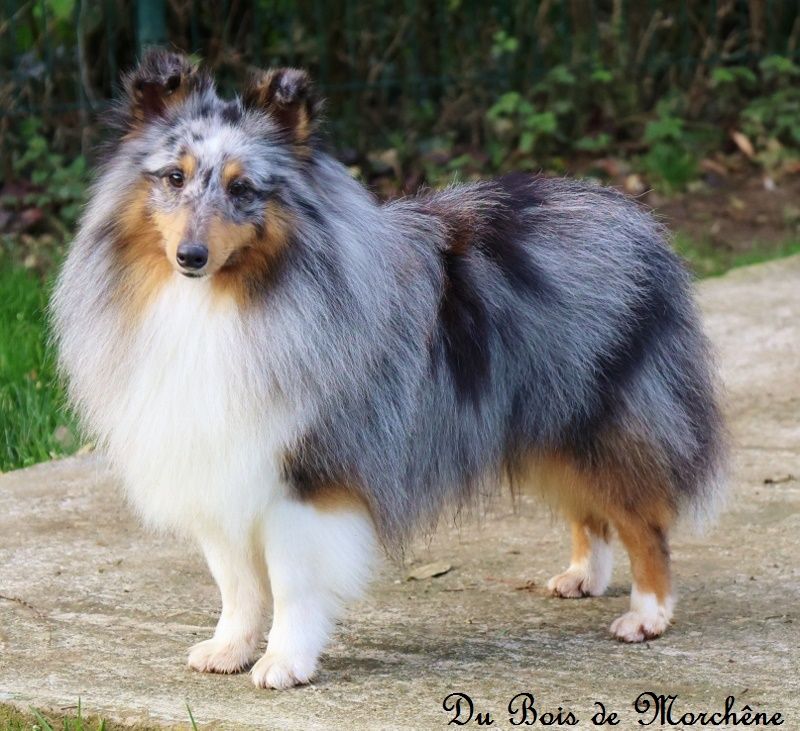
[161, 80]
[286, 95]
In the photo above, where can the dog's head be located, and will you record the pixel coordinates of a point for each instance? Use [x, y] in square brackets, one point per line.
[212, 176]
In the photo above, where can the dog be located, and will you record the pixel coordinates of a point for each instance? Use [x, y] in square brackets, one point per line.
[298, 377]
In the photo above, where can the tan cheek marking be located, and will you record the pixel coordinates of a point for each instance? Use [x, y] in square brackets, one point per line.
[188, 164]
[253, 261]
[172, 227]
[224, 239]
[277, 228]
[140, 252]
[231, 171]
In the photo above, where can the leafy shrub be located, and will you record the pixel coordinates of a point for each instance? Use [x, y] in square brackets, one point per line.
[57, 186]
[772, 119]
[670, 161]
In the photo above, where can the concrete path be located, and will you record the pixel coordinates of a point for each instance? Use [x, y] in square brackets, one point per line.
[93, 607]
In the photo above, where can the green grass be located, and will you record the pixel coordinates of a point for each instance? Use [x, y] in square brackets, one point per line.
[12, 719]
[30, 398]
[33, 424]
[707, 260]
[72, 719]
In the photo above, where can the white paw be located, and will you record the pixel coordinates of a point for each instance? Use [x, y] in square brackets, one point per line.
[221, 656]
[576, 582]
[640, 626]
[279, 671]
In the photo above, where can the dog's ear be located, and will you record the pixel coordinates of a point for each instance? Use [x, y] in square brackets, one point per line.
[287, 96]
[161, 80]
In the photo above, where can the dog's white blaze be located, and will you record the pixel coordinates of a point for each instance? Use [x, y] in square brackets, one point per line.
[198, 447]
[195, 441]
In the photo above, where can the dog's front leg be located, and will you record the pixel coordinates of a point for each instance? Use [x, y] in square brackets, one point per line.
[240, 572]
[319, 555]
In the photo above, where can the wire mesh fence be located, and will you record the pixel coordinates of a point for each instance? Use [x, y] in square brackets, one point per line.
[383, 65]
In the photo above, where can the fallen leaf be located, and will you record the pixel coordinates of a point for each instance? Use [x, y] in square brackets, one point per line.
[429, 571]
[712, 166]
[742, 141]
[634, 184]
[29, 218]
[515, 584]
[737, 204]
[778, 479]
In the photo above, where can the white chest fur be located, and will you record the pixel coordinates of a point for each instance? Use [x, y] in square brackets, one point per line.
[192, 429]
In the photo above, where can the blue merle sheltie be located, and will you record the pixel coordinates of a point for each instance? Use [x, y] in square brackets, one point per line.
[297, 375]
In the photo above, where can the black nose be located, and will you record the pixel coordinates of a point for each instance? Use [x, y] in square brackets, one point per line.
[192, 256]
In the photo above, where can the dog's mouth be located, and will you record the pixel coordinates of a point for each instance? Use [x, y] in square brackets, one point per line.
[192, 275]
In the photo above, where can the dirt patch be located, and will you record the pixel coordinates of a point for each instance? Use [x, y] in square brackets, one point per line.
[735, 214]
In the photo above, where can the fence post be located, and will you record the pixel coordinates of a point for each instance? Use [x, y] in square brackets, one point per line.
[151, 23]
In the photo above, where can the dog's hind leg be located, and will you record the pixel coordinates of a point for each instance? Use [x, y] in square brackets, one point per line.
[589, 571]
[645, 538]
[240, 573]
[319, 555]
[570, 491]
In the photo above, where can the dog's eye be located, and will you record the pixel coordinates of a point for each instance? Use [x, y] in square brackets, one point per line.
[175, 179]
[239, 189]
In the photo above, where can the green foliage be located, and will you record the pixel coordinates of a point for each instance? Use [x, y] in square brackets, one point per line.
[503, 44]
[528, 84]
[708, 260]
[775, 114]
[601, 75]
[732, 76]
[594, 143]
[518, 126]
[524, 128]
[779, 69]
[12, 719]
[76, 723]
[58, 186]
[670, 166]
[61, 10]
[764, 104]
[33, 425]
[670, 161]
